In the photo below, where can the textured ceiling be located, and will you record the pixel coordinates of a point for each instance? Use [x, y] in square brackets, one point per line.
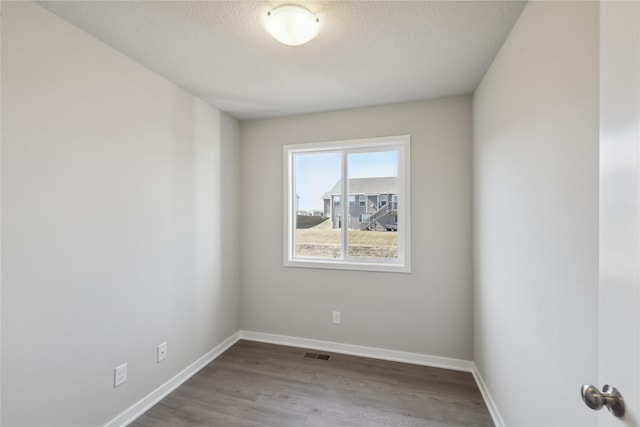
[367, 52]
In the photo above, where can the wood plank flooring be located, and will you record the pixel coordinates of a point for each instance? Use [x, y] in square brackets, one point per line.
[256, 384]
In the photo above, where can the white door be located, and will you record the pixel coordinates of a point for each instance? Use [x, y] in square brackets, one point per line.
[619, 311]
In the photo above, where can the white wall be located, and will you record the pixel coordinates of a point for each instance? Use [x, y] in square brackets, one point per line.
[427, 311]
[536, 216]
[117, 230]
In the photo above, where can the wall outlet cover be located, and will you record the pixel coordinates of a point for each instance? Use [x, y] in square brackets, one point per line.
[119, 375]
[162, 351]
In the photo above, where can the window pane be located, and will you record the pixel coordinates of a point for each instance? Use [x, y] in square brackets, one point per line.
[347, 205]
[317, 189]
[372, 225]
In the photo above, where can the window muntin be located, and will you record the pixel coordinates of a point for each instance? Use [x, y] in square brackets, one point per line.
[363, 233]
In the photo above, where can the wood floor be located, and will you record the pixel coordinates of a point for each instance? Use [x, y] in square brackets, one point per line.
[256, 384]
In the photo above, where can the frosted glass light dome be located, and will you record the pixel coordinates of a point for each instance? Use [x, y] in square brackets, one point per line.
[292, 25]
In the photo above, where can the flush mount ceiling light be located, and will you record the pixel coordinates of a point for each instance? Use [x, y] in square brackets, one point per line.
[292, 25]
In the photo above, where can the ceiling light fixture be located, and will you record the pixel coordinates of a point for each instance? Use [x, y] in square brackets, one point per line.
[292, 25]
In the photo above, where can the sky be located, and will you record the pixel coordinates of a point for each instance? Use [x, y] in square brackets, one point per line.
[317, 173]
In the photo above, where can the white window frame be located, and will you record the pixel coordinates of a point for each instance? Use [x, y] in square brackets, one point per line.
[401, 264]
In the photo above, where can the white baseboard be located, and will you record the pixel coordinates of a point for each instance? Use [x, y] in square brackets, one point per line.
[491, 405]
[357, 350]
[158, 394]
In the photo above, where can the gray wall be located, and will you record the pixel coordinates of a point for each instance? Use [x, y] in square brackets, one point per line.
[119, 205]
[427, 311]
[536, 216]
[117, 230]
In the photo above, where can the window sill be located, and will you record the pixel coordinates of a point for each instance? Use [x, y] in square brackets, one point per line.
[349, 265]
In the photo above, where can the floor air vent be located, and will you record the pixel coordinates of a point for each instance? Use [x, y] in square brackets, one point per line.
[318, 356]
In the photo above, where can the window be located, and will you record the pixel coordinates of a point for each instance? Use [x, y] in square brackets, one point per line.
[375, 238]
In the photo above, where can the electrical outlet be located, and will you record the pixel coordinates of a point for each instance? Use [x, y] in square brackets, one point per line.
[119, 375]
[162, 351]
[336, 317]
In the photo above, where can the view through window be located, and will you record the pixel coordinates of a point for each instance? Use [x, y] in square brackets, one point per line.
[370, 228]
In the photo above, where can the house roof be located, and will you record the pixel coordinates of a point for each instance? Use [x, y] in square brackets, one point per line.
[386, 185]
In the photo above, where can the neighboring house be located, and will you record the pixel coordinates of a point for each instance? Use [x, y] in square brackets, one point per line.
[373, 204]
